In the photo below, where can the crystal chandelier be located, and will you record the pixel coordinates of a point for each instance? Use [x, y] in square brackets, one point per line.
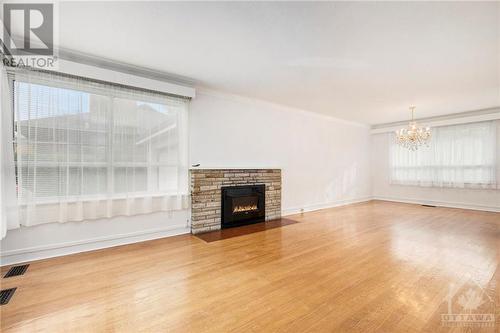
[413, 136]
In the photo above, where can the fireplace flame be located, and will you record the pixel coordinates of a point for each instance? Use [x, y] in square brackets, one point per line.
[239, 209]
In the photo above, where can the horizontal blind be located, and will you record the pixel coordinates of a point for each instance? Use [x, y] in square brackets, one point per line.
[80, 142]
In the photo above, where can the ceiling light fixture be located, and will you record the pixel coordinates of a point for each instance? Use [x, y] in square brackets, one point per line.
[413, 136]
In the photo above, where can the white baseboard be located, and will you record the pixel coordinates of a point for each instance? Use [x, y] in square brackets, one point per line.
[440, 203]
[62, 249]
[310, 208]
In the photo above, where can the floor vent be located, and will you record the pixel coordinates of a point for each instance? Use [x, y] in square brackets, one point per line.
[5, 295]
[429, 206]
[16, 270]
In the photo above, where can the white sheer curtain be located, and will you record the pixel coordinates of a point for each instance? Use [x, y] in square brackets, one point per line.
[458, 156]
[8, 200]
[88, 150]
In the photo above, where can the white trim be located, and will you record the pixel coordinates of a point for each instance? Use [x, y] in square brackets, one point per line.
[461, 205]
[235, 168]
[264, 103]
[313, 207]
[446, 204]
[442, 122]
[102, 74]
[62, 249]
[92, 60]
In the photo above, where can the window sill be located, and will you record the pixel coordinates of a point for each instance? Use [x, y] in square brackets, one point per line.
[88, 199]
[467, 186]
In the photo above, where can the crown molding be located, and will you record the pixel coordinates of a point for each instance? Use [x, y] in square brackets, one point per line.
[200, 90]
[118, 66]
[450, 119]
[126, 68]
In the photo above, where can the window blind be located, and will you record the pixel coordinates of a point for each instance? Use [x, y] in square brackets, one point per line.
[458, 156]
[88, 150]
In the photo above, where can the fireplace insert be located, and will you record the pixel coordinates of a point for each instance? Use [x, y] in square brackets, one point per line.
[242, 205]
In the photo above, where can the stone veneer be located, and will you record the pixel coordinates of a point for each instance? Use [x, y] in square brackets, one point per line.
[206, 193]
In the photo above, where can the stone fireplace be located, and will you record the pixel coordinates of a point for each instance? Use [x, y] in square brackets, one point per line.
[222, 198]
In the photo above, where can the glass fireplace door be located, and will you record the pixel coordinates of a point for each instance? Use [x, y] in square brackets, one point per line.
[242, 205]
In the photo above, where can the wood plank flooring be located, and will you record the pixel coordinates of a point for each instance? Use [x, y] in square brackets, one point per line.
[371, 267]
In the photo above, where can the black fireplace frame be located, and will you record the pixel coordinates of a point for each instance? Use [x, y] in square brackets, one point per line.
[230, 219]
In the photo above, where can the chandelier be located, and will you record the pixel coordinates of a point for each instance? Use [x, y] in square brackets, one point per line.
[413, 136]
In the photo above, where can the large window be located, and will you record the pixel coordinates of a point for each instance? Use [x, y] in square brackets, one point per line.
[458, 156]
[90, 150]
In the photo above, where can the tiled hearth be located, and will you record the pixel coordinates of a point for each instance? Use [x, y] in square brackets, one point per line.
[206, 194]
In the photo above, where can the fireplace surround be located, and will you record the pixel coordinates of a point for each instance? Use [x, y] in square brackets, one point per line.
[206, 194]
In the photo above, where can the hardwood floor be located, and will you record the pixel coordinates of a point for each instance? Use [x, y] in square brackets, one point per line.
[372, 267]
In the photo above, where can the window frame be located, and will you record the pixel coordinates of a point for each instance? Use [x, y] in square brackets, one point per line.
[492, 183]
[109, 164]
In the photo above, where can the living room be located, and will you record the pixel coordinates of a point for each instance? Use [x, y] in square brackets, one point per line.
[250, 166]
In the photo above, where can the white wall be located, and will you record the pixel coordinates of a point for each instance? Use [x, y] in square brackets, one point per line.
[452, 197]
[324, 161]
[53, 239]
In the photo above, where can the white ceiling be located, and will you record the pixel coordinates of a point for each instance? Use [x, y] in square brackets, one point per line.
[363, 61]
